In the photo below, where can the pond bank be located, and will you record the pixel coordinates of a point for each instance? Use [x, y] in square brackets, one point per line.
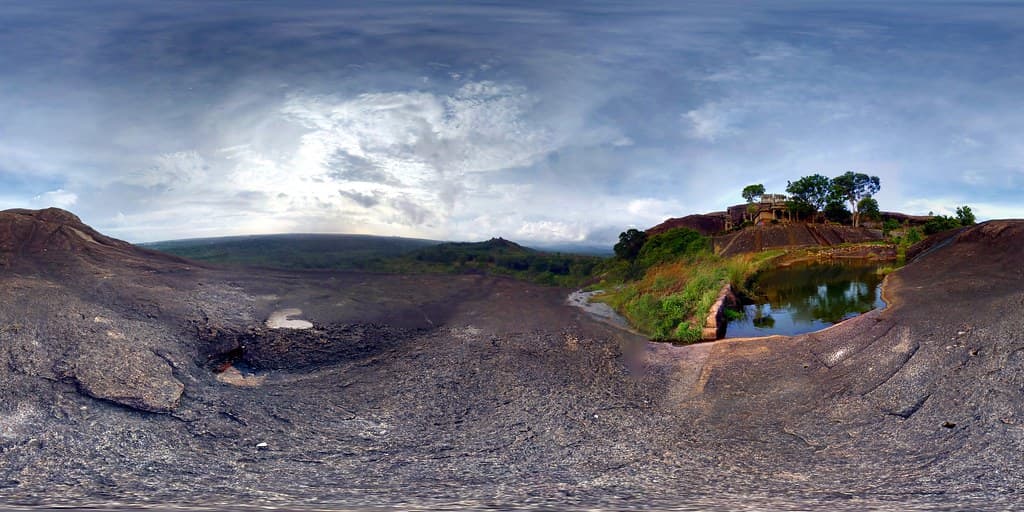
[808, 297]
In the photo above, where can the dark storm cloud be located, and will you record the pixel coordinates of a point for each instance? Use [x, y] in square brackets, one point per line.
[563, 122]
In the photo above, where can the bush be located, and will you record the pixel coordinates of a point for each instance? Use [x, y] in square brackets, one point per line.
[890, 226]
[671, 245]
[836, 211]
[940, 223]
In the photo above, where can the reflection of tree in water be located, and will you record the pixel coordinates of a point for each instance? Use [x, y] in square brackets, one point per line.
[764, 322]
[820, 292]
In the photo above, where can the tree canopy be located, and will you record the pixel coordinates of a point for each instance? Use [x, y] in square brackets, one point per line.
[965, 216]
[753, 192]
[630, 243]
[809, 194]
[868, 208]
[853, 187]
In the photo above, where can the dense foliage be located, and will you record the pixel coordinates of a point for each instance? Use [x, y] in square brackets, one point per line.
[302, 251]
[809, 193]
[387, 254]
[939, 223]
[752, 193]
[672, 245]
[812, 194]
[854, 187]
[667, 290]
[499, 256]
[630, 243]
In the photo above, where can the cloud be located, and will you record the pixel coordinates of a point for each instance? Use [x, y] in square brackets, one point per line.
[180, 168]
[466, 121]
[551, 231]
[364, 200]
[59, 198]
[711, 122]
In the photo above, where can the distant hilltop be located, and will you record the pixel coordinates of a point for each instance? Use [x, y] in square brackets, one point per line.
[772, 211]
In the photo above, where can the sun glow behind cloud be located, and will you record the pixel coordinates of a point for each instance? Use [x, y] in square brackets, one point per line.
[537, 123]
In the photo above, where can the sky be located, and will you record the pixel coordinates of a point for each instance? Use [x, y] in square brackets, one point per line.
[541, 122]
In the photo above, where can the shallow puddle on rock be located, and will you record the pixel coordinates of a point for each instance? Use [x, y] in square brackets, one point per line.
[280, 320]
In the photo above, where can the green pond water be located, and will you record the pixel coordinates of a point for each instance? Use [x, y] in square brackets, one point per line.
[808, 297]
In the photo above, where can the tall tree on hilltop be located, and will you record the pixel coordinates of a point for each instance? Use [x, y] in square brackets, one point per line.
[630, 243]
[965, 215]
[854, 186]
[752, 193]
[808, 195]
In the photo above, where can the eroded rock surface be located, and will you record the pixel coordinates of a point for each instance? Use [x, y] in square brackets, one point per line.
[135, 378]
[475, 391]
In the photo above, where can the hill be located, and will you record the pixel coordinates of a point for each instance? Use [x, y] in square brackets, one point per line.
[705, 224]
[790, 235]
[295, 251]
[385, 254]
[132, 378]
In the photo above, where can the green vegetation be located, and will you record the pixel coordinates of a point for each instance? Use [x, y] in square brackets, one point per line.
[812, 194]
[668, 290]
[753, 192]
[384, 254]
[964, 217]
[836, 211]
[672, 245]
[868, 208]
[630, 243]
[501, 257]
[889, 226]
[855, 187]
[306, 251]
[809, 194]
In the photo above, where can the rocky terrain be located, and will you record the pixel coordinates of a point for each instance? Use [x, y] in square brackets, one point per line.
[705, 224]
[131, 377]
[789, 235]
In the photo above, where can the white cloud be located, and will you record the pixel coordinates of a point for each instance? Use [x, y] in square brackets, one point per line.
[551, 231]
[171, 169]
[59, 198]
[711, 122]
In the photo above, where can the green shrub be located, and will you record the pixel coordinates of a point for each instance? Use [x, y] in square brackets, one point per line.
[940, 223]
[672, 245]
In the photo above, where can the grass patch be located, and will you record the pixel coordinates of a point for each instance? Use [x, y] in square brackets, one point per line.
[671, 301]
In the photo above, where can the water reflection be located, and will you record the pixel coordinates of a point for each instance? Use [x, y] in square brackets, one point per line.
[805, 298]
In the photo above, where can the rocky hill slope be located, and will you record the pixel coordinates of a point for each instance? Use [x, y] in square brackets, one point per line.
[131, 377]
[777, 236]
[705, 224]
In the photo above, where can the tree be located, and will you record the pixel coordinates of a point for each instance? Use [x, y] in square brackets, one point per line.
[808, 194]
[868, 208]
[853, 187]
[836, 211]
[630, 243]
[889, 226]
[940, 223]
[753, 192]
[965, 216]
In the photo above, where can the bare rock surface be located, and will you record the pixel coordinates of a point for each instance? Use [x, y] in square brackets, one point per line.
[130, 378]
[135, 378]
[789, 235]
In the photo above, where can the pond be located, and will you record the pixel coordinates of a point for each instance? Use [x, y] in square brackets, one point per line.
[808, 297]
